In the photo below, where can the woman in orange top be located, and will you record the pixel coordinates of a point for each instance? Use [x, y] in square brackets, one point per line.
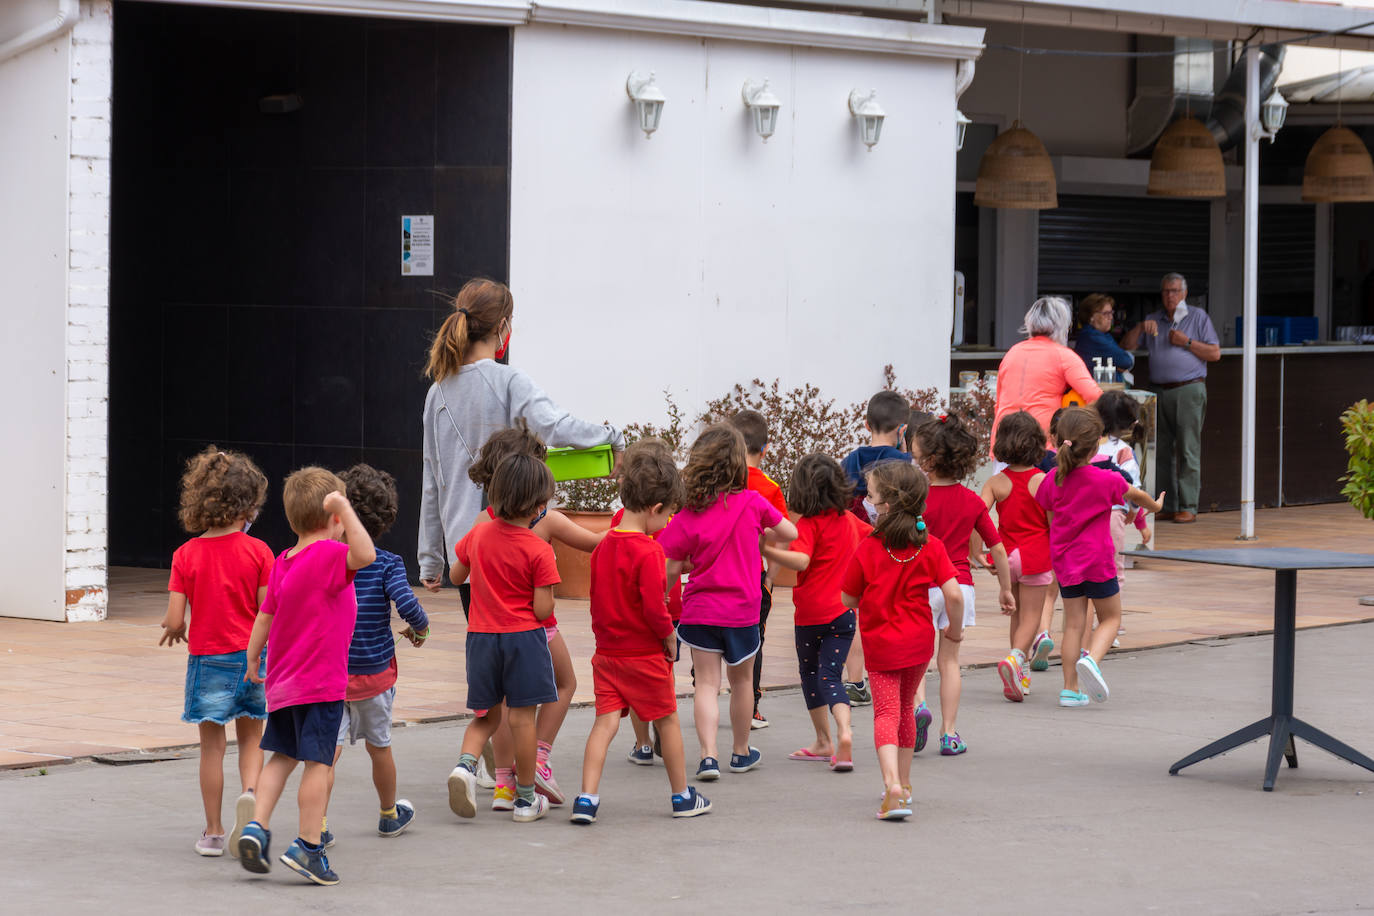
[1035, 373]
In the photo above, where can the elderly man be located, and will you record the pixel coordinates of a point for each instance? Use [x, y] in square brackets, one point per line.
[1181, 342]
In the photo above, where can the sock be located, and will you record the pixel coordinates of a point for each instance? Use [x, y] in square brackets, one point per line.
[525, 792]
[310, 847]
[324, 823]
[389, 812]
[505, 776]
[468, 762]
[594, 799]
[541, 754]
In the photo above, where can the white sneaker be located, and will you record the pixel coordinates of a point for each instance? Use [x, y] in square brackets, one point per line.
[462, 792]
[484, 777]
[530, 811]
[243, 814]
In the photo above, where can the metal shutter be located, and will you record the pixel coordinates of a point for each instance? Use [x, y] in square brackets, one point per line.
[1123, 244]
[1287, 258]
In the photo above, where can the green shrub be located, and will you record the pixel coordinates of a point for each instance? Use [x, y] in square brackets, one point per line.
[1358, 421]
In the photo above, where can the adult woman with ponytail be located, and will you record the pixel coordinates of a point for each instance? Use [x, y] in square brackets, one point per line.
[1078, 499]
[472, 397]
[888, 581]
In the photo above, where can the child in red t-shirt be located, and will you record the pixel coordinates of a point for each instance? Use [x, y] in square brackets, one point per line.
[944, 448]
[635, 646]
[888, 582]
[827, 535]
[222, 575]
[519, 439]
[754, 428]
[513, 575]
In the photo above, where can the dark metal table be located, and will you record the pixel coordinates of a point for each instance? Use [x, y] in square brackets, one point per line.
[1280, 725]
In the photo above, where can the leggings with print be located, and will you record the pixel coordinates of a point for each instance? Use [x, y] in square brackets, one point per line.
[821, 651]
[894, 705]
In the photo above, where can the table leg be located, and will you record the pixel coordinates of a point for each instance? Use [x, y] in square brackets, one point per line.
[1285, 641]
[1280, 741]
[1251, 732]
[1327, 743]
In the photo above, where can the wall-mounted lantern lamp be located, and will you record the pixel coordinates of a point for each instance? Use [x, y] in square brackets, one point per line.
[648, 99]
[1273, 112]
[870, 115]
[961, 123]
[763, 105]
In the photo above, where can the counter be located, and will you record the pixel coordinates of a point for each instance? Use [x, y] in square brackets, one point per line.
[1300, 394]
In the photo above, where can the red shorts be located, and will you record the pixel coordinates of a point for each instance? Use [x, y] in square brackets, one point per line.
[643, 683]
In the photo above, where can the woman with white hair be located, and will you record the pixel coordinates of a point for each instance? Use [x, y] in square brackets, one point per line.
[1035, 373]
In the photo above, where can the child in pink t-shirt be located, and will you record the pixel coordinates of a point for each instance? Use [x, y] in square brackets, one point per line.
[309, 613]
[718, 533]
[1079, 499]
[222, 575]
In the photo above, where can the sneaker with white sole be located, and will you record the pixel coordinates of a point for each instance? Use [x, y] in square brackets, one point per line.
[254, 848]
[642, 756]
[691, 803]
[709, 769]
[759, 720]
[462, 792]
[858, 692]
[1090, 677]
[483, 775]
[546, 786]
[1040, 651]
[1009, 670]
[503, 798]
[743, 763]
[243, 813]
[395, 826]
[584, 809]
[312, 865]
[527, 810]
[1071, 698]
[210, 844]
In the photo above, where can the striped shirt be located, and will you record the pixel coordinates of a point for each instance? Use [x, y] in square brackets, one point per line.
[377, 586]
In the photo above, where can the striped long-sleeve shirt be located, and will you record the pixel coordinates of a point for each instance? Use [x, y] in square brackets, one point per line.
[377, 587]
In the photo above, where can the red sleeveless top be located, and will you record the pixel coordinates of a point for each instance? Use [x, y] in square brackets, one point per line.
[1023, 524]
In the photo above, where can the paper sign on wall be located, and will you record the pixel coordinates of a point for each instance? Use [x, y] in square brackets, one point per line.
[417, 246]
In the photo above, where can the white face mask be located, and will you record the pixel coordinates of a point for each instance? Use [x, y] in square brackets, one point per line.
[871, 510]
[246, 526]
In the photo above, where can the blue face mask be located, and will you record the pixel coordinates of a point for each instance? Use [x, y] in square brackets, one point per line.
[540, 517]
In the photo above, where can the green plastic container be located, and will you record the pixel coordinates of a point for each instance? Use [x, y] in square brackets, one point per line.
[580, 463]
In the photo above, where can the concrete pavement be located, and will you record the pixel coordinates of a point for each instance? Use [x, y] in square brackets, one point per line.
[1051, 811]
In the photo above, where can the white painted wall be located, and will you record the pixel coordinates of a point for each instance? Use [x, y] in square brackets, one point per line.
[704, 257]
[34, 89]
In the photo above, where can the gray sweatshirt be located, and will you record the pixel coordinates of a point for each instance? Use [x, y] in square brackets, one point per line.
[461, 412]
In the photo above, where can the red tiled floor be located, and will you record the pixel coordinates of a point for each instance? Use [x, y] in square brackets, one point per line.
[76, 689]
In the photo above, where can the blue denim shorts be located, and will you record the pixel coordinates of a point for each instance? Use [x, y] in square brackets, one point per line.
[217, 692]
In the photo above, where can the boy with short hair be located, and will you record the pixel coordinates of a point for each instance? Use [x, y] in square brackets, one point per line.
[886, 422]
[513, 575]
[309, 612]
[635, 644]
[754, 428]
[372, 653]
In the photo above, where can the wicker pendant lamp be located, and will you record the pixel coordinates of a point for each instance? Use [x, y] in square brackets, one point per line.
[1187, 162]
[1016, 173]
[1338, 169]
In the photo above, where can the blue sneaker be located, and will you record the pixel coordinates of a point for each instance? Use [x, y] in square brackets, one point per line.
[1072, 698]
[643, 756]
[743, 763]
[584, 809]
[690, 803]
[253, 848]
[313, 866]
[395, 826]
[326, 838]
[1090, 677]
[708, 769]
[923, 720]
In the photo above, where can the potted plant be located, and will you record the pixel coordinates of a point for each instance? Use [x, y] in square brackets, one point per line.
[1358, 422]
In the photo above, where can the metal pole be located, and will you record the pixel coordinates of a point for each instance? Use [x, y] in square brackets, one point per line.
[1247, 419]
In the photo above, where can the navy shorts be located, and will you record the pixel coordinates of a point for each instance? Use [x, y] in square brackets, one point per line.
[306, 732]
[217, 692]
[515, 667]
[736, 644]
[1091, 589]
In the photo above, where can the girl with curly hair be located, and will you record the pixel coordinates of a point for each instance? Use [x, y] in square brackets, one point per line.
[220, 576]
[945, 449]
[717, 536]
[888, 582]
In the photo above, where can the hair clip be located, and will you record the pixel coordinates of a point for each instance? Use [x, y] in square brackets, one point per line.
[920, 523]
